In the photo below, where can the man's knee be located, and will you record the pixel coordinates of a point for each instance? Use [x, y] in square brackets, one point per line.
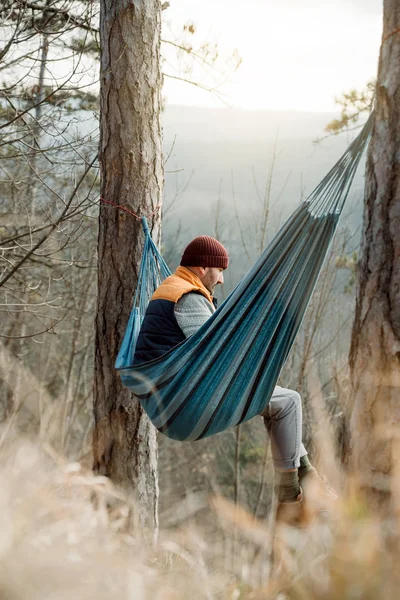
[283, 404]
[294, 397]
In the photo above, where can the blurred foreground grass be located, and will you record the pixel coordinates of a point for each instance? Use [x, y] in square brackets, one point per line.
[65, 533]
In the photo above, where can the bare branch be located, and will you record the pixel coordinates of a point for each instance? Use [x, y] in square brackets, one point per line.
[53, 227]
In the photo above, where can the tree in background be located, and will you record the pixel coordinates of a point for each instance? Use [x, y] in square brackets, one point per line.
[125, 444]
[375, 349]
[48, 186]
[353, 104]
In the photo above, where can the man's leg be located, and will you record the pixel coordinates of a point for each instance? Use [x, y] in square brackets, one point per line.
[293, 470]
[283, 420]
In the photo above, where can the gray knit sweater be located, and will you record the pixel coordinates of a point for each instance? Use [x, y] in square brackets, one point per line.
[191, 311]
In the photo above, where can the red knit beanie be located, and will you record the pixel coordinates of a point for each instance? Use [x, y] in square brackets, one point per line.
[205, 251]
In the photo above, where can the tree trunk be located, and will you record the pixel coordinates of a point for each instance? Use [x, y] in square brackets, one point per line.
[125, 444]
[375, 349]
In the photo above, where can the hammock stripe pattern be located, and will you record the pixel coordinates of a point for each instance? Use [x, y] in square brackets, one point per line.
[226, 372]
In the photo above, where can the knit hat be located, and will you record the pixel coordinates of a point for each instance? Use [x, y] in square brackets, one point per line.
[205, 251]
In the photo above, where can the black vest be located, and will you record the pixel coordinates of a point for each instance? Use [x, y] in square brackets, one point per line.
[159, 332]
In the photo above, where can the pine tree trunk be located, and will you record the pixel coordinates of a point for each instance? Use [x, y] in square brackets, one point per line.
[125, 444]
[375, 350]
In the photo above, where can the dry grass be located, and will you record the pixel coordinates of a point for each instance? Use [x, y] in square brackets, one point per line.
[66, 534]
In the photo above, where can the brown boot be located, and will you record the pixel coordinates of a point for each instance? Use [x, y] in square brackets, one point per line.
[291, 513]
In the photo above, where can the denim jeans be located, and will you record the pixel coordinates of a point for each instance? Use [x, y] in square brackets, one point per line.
[283, 420]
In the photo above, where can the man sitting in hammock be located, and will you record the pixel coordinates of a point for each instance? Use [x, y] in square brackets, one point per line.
[178, 308]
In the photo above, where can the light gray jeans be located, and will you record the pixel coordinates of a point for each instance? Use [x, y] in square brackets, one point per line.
[283, 420]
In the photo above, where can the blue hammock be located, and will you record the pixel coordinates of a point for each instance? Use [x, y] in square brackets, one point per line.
[226, 372]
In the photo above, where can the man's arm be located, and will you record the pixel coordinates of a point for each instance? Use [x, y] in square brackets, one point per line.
[192, 311]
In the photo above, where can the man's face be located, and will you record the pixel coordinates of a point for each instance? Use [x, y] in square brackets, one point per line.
[212, 277]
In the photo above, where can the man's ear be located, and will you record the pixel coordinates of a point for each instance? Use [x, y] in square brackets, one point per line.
[203, 271]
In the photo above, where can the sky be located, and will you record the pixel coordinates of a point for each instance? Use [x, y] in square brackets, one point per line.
[296, 54]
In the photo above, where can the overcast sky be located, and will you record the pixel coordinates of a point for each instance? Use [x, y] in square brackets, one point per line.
[297, 54]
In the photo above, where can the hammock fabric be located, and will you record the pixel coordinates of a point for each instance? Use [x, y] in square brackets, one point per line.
[226, 372]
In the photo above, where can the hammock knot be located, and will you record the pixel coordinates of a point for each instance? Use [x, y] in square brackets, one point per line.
[145, 226]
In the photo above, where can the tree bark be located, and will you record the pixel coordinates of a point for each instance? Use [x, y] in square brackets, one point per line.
[125, 444]
[375, 349]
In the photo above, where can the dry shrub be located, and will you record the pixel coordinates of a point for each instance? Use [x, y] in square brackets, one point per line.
[66, 533]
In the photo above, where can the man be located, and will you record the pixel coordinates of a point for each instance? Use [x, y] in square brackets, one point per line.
[178, 308]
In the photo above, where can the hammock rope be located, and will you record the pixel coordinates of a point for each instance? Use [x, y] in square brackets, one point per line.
[225, 373]
[153, 269]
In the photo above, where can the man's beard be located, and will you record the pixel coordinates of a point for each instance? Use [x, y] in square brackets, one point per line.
[211, 289]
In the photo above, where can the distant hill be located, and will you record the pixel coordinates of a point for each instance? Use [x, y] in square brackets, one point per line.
[230, 124]
[217, 168]
[217, 149]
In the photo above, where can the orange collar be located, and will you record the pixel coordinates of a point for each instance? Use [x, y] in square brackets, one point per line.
[192, 278]
[183, 281]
